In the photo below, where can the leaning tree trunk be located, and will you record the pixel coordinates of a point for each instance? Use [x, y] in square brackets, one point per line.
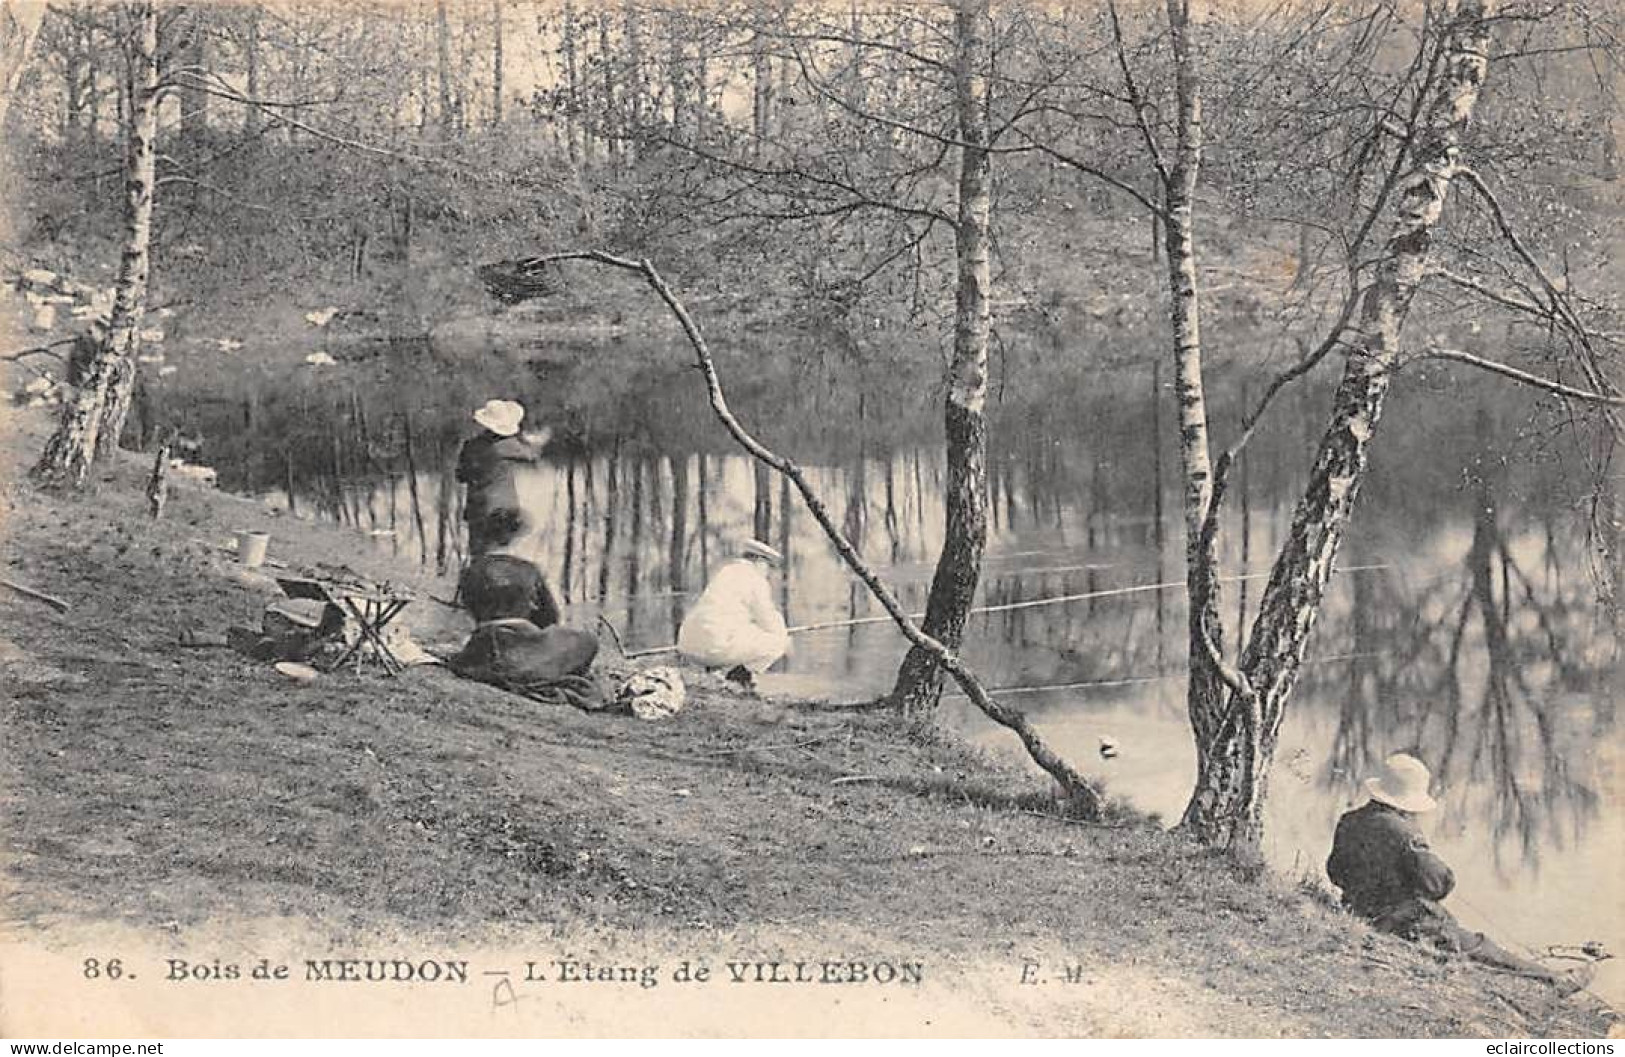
[959, 567]
[1204, 691]
[91, 422]
[121, 387]
[1226, 807]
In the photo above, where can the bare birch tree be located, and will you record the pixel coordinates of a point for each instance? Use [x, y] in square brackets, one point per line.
[19, 26]
[959, 566]
[1236, 706]
[1237, 717]
[92, 420]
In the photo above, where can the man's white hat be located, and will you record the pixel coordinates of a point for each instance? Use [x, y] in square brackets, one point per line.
[1403, 783]
[758, 549]
[501, 417]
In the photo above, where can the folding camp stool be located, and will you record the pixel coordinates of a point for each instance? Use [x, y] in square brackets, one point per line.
[372, 606]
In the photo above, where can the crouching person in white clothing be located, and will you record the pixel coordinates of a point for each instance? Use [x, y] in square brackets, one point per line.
[734, 625]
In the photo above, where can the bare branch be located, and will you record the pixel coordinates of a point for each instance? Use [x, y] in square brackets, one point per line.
[859, 196]
[911, 245]
[1561, 310]
[1244, 699]
[861, 114]
[1228, 673]
[1083, 793]
[1559, 299]
[1506, 371]
[1136, 100]
[1506, 300]
[1084, 167]
[38, 350]
[199, 79]
[1023, 108]
[1426, 63]
[1249, 423]
[225, 91]
[827, 37]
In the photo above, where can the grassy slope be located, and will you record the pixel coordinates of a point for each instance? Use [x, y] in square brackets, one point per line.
[186, 794]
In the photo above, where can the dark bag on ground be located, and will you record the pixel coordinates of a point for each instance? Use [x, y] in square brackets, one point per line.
[291, 629]
[545, 664]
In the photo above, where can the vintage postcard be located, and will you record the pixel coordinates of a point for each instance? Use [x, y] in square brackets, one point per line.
[878, 519]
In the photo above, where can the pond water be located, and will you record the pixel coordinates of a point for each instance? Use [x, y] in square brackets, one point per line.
[1462, 624]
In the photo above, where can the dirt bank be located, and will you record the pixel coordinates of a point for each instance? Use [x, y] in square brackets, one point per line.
[162, 802]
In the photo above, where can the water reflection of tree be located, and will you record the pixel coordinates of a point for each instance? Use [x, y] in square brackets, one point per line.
[344, 457]
[1478, 673]
[612, 488]
[1491, 741]
[677, 547]
[571, 517]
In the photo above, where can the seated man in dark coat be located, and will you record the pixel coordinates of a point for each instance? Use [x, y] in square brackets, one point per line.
[486, 465]
[518, 643]
[1391, 878]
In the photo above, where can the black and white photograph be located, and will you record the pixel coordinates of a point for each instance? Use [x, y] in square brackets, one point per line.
[564, 519]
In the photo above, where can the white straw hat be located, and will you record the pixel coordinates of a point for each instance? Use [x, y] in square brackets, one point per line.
[501, 417]
[1403, 783]
[758, 549]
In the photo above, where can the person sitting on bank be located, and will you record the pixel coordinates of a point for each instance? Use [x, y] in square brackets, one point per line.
[518, 643]
[734, 624]
[1391, 878]
[487, 464]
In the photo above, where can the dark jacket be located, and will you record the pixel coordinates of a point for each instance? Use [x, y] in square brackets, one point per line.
[515, 654]
[504, 586]
[486, 464]
[1386, 871]
[519, 644]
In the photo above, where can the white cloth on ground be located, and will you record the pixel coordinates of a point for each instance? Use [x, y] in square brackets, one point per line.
[734, 621]
[654, 693]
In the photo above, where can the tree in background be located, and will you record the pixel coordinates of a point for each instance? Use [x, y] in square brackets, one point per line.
[1400, 175]
[1343, 123]
[959, 565]
[19, 26]
[92, 419]
[863, 173]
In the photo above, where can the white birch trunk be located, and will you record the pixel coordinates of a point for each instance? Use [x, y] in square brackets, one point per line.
[1226, 807]
[91, 422]
[953, 587]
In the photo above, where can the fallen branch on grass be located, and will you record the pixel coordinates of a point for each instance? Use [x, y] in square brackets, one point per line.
[914, 855]
[877, 705]
[1052, 817]
[39, 596]
[775, 745]
[1086, 799]
[38, 350]
[1384, 962]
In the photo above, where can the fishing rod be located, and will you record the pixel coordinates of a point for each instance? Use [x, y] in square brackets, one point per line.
[1006, 607]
